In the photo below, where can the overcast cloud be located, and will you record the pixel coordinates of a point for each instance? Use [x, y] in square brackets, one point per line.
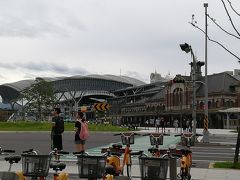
[128, 37]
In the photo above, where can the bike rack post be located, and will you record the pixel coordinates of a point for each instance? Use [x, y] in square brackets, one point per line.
[173, 168]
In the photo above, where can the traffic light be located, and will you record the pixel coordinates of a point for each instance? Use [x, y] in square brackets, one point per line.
[185, 47]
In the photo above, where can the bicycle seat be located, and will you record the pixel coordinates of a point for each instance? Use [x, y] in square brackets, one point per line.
[58, 166]
[186, 151]
[13, 159]
[117, 146]
[153, 150]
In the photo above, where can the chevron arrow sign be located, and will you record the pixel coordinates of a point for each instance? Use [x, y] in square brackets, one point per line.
[101, 106]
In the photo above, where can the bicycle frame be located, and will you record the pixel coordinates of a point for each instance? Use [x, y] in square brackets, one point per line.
[186, 159]
[186, 164]
[114, 160]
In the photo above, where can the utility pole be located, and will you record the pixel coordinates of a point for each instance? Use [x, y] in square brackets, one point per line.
[206, 122]
[194, 113]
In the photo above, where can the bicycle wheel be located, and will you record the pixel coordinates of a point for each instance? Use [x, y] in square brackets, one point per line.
[129, 166]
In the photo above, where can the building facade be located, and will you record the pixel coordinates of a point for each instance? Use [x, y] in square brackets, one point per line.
[173, 100]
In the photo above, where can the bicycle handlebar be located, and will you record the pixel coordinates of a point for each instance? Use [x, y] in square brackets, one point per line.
[136, 153]
[8, 151]
[80, 153]
[156, 134]
[126, 134]
[183, 134]
[58, 153]
[30, 151]
[63, 152]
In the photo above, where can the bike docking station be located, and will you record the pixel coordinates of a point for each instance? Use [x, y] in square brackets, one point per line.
[188, 139]
[161, 163]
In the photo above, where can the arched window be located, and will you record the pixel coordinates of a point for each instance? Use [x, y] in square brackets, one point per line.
[177, 97]
[209, 104]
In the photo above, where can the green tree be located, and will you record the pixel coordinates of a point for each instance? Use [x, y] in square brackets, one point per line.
[39, 98]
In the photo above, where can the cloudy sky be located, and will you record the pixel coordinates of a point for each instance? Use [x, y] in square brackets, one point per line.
[128, 37]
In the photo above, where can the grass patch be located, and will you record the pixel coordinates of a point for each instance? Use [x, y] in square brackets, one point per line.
[228, 165]
[46, 126]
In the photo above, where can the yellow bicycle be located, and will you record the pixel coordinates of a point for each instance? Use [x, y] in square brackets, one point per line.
[115, 166]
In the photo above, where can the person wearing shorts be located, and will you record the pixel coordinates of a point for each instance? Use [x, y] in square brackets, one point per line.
[57, 130]
[79, 143]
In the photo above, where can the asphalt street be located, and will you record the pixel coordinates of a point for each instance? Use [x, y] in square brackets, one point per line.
[41, 141]
[221, 148]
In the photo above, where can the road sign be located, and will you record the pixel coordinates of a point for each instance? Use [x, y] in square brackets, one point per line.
[101, 106]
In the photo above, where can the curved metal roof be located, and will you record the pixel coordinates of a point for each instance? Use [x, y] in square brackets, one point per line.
[108, 77]
[19, 85]
[10, 91]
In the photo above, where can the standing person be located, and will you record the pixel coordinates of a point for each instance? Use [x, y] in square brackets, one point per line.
[190, 125]
[162, 124]
[80, 143]
[157, 124]
[57, 130]
[175, 125]
[184, 125]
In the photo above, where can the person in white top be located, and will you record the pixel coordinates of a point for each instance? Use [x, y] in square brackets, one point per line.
[157, 124]
[175, 125]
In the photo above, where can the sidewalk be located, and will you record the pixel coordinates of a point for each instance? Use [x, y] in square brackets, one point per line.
[197, 173]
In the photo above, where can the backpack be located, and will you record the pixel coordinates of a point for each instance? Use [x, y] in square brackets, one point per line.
[84, 132]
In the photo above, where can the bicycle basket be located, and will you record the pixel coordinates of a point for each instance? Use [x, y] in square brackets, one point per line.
[156, 140]
[35, 165]
[91, 166]
[8, 175]
[127, 139]
[153, 168]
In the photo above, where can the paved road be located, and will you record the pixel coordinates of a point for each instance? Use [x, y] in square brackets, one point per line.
[21, 141]
[221, 148]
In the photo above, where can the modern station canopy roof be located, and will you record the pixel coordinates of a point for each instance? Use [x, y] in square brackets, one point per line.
[108, 77]
[11, 91]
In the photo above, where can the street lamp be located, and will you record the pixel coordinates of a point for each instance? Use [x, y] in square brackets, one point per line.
[205, 131]
[187, 48]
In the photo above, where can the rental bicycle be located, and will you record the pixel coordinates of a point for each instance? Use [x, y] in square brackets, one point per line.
[187, 140]
[114, 165]
[11, 159]
[156, 139]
